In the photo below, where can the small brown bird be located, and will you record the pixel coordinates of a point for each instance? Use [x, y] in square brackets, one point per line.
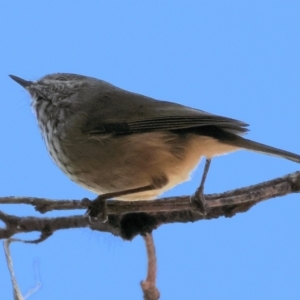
[110, 140]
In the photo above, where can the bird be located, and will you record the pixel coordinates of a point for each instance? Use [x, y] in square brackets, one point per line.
[123, 145]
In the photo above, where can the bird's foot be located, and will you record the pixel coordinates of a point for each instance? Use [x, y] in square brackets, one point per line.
[97, 211]
[198, 199]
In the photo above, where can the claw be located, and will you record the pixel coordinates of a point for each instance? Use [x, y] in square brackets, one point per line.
[198, 198]
[97, 211]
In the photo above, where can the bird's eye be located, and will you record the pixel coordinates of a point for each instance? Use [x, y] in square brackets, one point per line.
[61, 78]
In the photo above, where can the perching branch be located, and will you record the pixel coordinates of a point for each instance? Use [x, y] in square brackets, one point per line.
[129, 218]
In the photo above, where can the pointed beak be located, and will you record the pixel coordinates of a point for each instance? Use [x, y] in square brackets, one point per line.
[24, 83]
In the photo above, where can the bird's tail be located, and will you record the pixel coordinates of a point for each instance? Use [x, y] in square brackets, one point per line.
[258, 147]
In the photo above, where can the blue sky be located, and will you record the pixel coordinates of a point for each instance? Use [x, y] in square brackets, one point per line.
[235, 58]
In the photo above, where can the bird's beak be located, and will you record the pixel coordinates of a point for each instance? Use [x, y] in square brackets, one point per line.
[24, 83]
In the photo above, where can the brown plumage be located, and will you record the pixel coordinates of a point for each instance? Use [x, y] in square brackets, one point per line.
[111, 140]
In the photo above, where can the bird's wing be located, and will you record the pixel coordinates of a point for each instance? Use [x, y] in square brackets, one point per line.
[134, 113]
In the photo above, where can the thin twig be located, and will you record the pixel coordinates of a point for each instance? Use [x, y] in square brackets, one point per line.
[16, 290]
[149, 285]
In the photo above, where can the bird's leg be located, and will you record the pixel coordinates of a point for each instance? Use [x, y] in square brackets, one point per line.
[97, 210]
[198, 198]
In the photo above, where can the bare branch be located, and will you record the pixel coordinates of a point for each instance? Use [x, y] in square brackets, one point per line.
[127, 219]
[149, 285]
[16, 290]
